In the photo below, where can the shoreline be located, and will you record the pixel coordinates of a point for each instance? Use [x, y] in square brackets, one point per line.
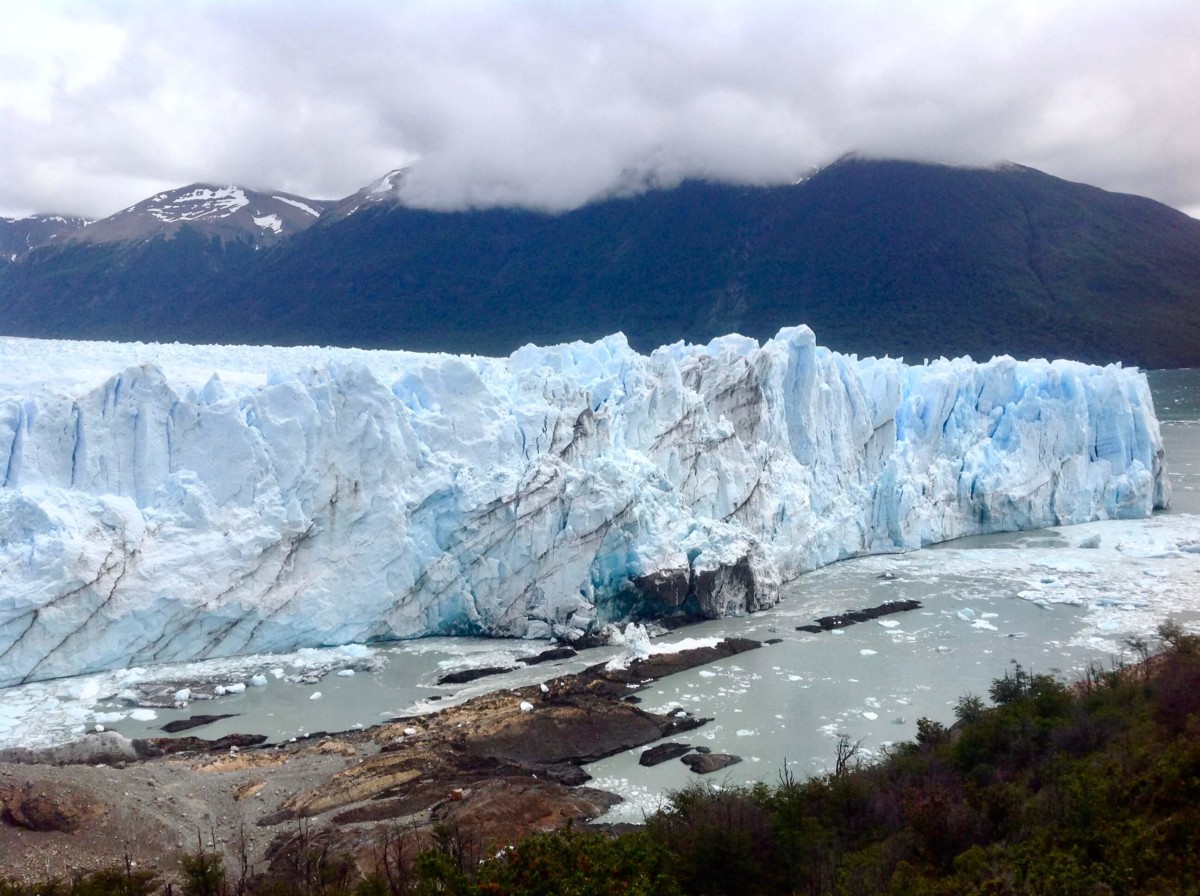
[495, 767]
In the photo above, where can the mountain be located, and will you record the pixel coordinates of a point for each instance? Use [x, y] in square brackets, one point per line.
[384, 193]
[19, 235]
[228, 213]
[879, 257]
[138, 274]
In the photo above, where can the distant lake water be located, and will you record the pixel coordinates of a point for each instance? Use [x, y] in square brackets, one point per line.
[1177, 405]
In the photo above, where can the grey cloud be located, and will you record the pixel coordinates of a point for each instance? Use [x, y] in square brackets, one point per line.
[549, 104]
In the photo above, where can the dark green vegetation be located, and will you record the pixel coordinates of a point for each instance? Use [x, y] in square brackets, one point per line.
[876, 256]
[1092, 788]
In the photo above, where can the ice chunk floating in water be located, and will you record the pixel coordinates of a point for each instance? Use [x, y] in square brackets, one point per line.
[169, 503]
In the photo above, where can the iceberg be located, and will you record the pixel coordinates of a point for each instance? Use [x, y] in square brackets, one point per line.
[168, 503]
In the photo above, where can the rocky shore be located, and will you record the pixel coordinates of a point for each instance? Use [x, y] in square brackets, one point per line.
[485, 772]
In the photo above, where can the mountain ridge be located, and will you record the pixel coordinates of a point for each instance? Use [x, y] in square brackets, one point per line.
[878, 256]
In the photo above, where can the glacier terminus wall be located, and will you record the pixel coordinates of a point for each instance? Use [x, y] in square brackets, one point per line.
[165, 503]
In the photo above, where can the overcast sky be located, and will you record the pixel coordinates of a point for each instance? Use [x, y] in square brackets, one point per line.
[552, 102]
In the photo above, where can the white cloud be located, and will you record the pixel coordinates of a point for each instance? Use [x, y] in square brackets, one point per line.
[549, 104]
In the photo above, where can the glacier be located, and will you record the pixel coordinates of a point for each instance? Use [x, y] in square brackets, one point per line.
[167, 503]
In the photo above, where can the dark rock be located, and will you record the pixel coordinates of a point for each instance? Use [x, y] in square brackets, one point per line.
[706, 763]
[663, 753]
[146, 749]
[505, 809]
[773, 641]
[466, 675]
[415, 798]
[47, 808]
[841, 620]
[199, 744]
[103, 748]
[661, 665]
[548, 656]
[579, 732]
[273, 818]
[679, 724]
[565, 773]
[193, 722]
[719, 589]
[668, 587]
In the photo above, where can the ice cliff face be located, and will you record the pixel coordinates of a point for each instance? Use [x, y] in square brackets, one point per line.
[162, 503]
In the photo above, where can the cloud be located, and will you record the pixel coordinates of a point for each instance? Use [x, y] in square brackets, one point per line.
[549, 104]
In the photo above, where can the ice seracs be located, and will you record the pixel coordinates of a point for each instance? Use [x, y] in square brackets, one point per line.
[166, 503]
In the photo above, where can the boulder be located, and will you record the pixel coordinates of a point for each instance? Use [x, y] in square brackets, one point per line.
[706, 763]
[46, 807]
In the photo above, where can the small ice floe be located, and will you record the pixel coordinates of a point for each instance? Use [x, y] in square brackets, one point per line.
[142, 714]
[526, 706]
[97, 728]
[182, 696]
[870, 716]
[706, 673]
[888, 623]
[345, 673]
[942, 648]
[259, 680]
[315, 695]
[1092, 541]
[867, 651]
[277, 672]
[746, 732]
[983, 625]
[966, 614]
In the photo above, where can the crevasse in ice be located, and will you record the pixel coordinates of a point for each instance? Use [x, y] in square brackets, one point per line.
[165, 503]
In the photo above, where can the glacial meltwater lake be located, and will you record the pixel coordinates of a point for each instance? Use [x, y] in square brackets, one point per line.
[1053, 600]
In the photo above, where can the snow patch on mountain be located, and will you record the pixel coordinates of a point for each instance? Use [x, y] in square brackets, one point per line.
[198, 202]
[227, 213]
[270, 222]
[172, 503]
[386, 191]
[303, 206]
